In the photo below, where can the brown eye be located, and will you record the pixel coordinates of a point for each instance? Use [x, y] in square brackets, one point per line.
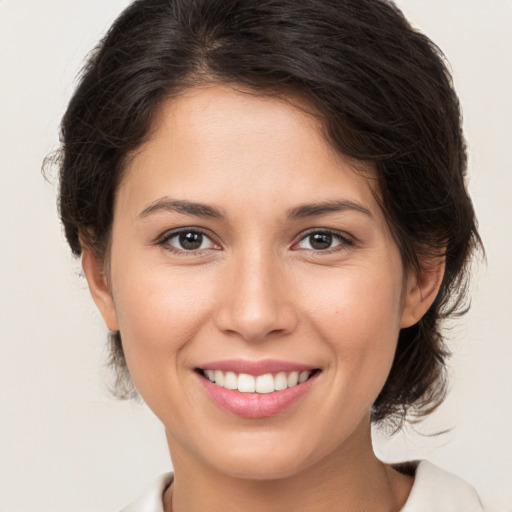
[320, 241]
[188, 240]
[323, 240]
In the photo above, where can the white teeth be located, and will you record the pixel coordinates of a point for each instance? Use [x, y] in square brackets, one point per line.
[230, 380]
[266, 383]
[219, 378]
[304, 376]
[293, 379]
[280, 381]
[246, 383]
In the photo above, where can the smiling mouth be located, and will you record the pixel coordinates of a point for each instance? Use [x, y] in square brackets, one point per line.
[264, 384]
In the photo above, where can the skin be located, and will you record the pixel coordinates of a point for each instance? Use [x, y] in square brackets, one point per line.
[257, 289]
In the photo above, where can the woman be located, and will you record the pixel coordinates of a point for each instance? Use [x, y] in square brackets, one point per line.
[269, 202]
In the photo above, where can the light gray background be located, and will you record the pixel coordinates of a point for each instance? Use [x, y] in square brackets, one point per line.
[64, 444]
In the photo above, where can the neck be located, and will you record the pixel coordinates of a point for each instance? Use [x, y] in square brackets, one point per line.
[350, 478]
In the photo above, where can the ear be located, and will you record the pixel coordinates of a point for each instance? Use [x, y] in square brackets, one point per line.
[98, 285]
[421, 290]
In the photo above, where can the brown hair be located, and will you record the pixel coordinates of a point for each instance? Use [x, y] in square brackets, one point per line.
[381, 88]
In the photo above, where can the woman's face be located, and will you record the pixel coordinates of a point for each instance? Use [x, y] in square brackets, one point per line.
[243, 247]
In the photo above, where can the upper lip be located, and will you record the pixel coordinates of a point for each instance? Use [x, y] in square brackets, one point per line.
[256, 367]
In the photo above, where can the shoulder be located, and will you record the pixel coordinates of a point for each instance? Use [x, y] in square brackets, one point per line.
[436, 489]
[151, 499]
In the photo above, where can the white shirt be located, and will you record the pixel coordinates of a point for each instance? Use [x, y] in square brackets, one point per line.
[434, 490]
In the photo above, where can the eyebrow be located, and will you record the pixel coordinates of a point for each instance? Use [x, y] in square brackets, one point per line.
[316, 209]
[298, 212]
[187, 207]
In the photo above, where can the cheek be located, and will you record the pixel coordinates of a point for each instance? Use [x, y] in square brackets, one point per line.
[358, 316]
[357, 302]
[158, 312]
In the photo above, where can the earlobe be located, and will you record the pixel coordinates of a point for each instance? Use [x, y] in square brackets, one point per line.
[99, 287]
[422, 289]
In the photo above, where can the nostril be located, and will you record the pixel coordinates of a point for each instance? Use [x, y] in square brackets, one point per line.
[253, 324]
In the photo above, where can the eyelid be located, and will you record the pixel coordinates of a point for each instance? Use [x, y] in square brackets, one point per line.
[345, 239]
[163, 239]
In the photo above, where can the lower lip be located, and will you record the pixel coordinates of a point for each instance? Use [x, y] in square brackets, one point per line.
[256, 405]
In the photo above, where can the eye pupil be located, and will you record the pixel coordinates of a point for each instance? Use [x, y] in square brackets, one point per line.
[191, 240]
[320, 240]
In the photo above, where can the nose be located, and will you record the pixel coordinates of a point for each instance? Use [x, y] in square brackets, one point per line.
[256, 301]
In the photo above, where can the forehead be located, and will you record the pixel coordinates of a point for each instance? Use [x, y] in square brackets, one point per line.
[229, 116]
[213, 142]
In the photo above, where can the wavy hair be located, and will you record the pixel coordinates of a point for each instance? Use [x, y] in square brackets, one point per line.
[385, 97]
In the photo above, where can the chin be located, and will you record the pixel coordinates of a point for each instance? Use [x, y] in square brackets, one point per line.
[261, 461]
[261, 470]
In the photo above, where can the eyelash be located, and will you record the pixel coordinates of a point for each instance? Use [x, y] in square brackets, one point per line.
[165, 239]
[344, 241]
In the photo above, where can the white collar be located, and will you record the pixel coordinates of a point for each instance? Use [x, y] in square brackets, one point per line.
[433, 490]
[436, 489]
[152, 499]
